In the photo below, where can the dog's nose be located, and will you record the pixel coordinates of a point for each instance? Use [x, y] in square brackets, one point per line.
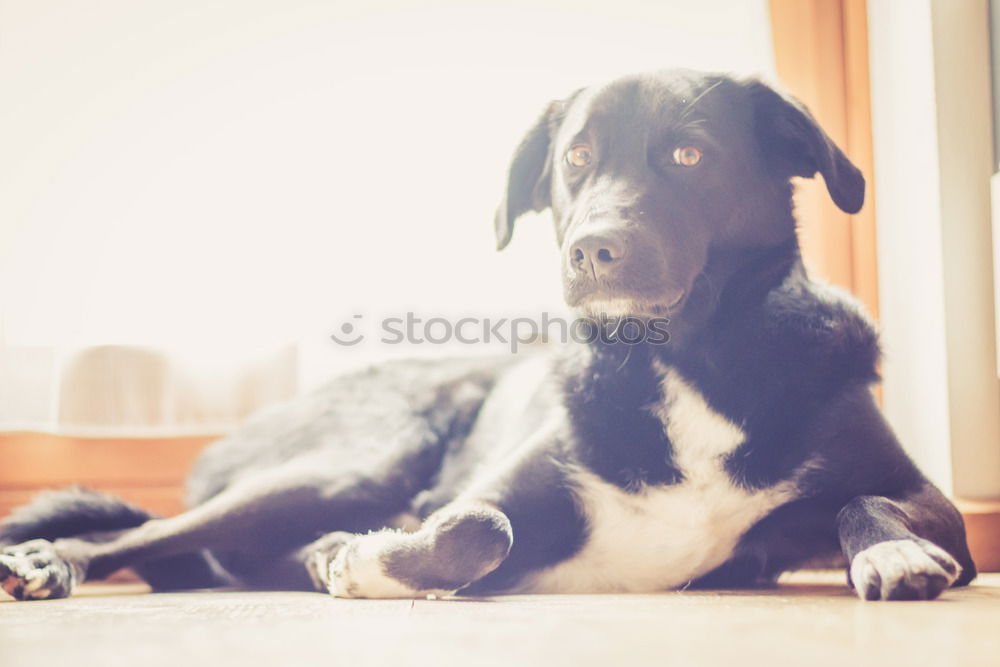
[597, 254]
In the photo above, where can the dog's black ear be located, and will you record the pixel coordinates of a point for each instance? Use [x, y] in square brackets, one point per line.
[529, 177]
[797, 146]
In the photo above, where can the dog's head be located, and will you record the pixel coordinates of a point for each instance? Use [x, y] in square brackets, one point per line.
[648, 175]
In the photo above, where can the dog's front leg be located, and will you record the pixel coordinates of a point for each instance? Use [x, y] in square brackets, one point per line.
[519, 516]
[908, 548]
[455, 546]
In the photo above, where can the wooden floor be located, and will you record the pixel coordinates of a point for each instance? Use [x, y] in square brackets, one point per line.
[810, 620]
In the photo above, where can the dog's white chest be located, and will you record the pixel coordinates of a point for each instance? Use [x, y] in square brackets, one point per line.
[663, 537]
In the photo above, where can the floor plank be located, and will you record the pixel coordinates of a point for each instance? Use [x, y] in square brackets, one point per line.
[811, 619]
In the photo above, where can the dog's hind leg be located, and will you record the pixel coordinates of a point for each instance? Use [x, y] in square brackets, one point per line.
[261, 520]
[79, 512]
[455, 546]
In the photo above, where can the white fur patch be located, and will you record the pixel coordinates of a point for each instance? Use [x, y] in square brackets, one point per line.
[665, 536]
[889, 565]
[358, 571]
[611, 307]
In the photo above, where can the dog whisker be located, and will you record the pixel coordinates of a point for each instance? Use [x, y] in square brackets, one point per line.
[691, 105]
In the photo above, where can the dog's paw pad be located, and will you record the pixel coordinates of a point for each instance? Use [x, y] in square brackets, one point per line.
[34, 571]
[903, 570]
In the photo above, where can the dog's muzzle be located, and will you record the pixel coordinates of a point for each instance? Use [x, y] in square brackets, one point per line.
[609, 271]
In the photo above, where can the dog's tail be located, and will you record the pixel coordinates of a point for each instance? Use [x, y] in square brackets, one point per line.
[76, 511]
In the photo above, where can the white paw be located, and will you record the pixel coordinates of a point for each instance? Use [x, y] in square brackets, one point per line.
[358, 570]
[321, 554]
[903, 570]
[33, 571]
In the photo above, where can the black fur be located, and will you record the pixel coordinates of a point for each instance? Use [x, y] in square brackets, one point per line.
[608, 395]
[69, 511]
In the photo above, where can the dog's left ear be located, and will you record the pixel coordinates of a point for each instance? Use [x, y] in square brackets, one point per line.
[529, 177]
[797, 146]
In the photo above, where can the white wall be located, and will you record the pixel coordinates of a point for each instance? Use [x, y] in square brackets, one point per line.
[932, 140]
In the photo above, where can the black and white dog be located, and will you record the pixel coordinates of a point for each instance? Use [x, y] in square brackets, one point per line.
[744, 447]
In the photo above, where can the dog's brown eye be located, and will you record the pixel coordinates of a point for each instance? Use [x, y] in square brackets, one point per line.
[687, 156]
[579, 155]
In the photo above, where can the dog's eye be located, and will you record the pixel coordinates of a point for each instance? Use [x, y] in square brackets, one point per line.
[579, 155]
[687, 156]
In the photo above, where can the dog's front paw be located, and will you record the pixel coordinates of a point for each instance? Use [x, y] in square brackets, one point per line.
[359, 570]
[34, 571]
[321, 554]
[911, 569]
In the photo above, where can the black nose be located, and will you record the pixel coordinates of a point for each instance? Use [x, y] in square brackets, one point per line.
[597, 254]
